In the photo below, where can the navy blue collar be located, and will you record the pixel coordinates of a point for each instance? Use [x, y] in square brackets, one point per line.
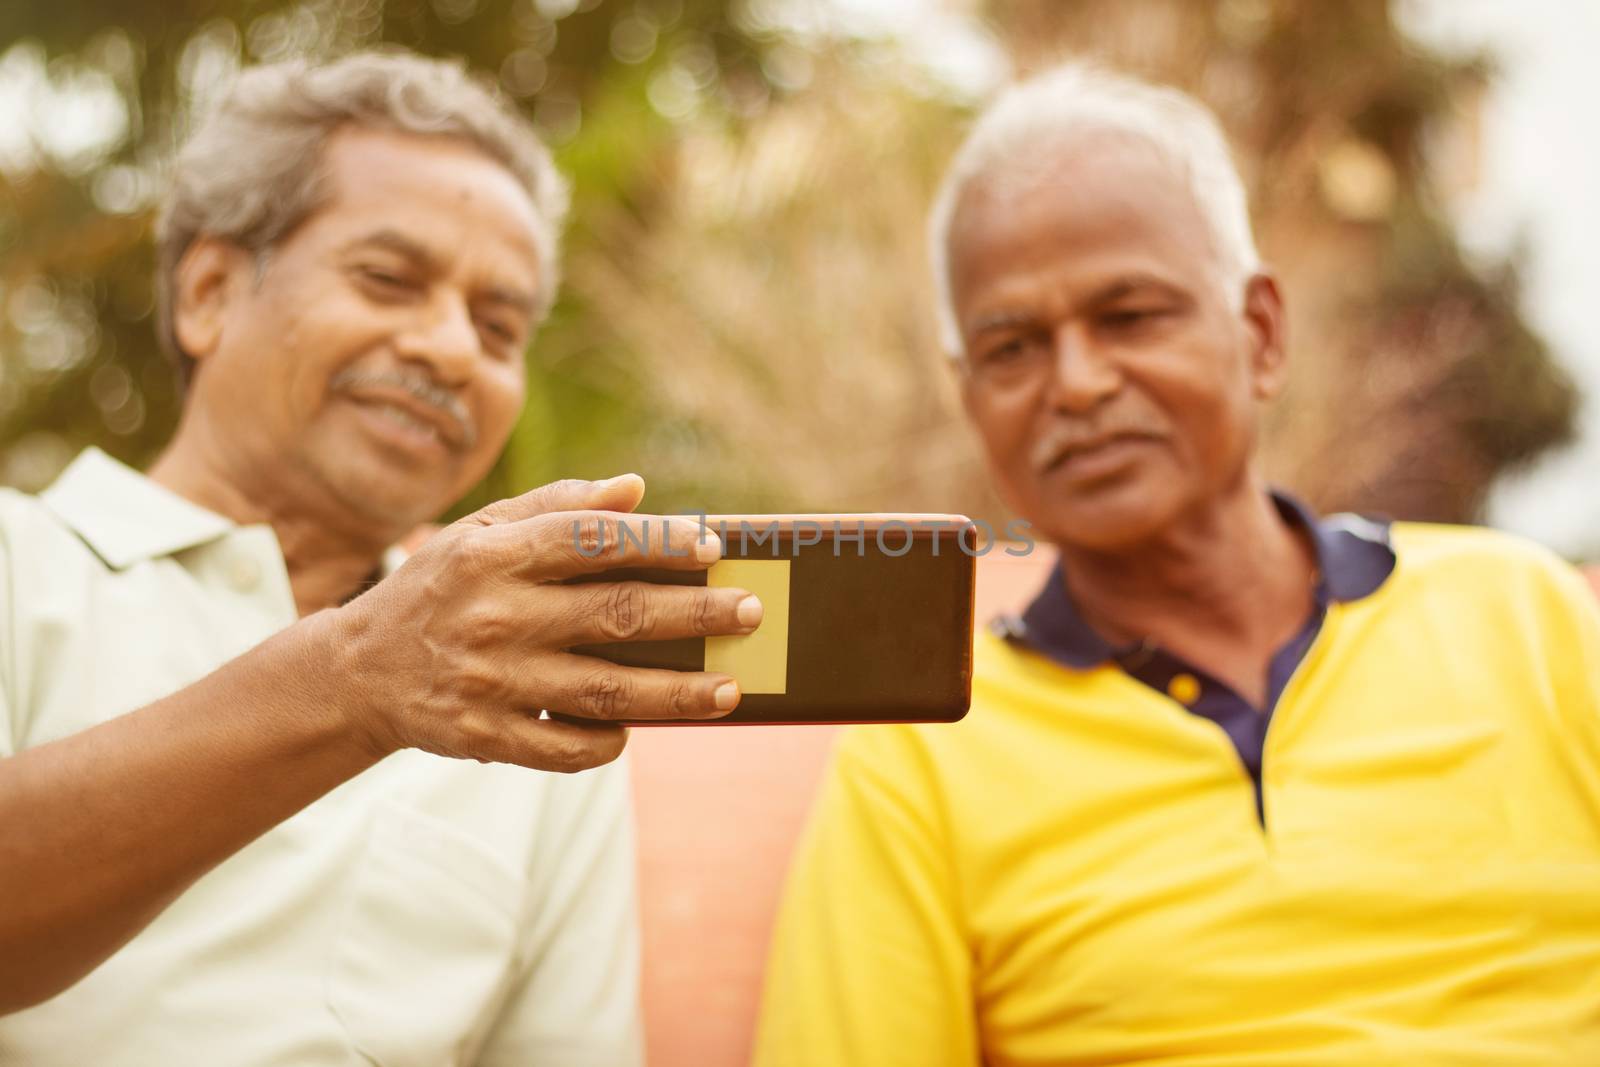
[1354, 558]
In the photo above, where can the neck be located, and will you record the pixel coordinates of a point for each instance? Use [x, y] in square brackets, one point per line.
[327, 551]
[1225, 585]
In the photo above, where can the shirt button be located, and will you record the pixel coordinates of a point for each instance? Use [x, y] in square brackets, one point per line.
[244, 574]
[1184, 688]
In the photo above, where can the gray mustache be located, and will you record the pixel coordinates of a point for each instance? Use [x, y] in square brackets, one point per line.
[1062, 437]
[420, 387]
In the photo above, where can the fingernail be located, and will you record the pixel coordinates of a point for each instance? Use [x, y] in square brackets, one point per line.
[708, 548]
[727, 696]
[617, 480]
[748, 612]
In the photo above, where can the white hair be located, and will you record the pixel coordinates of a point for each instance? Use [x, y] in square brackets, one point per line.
[1078, 97]
[254, 170]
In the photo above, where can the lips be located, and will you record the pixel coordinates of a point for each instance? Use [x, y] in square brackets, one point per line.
[408, 413]
[1080, 451]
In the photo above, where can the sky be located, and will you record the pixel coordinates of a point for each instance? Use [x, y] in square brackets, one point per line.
[1539, 185]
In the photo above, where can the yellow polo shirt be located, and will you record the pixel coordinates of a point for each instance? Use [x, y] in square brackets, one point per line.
[1077, 874]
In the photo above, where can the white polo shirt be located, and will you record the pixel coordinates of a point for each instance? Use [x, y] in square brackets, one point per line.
[429, 911]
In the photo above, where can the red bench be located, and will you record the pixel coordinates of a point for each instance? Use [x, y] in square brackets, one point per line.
[718, 812]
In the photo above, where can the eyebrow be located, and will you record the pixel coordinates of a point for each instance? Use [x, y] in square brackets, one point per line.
[1117, 289]
[515, 298]
[1132, 283]
[397, 242]
[1001, 320]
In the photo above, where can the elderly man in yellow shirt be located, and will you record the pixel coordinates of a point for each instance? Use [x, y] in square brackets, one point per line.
[1243, 785]
[228, 830]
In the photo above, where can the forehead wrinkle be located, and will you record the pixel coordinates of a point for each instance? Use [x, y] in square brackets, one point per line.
[1071, 167]
[1097, 263]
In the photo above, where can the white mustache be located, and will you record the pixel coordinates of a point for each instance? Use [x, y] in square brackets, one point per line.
[419, 386]
[1061, 438]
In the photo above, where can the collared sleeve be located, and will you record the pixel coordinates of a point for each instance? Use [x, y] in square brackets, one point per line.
[1551, 613]
[577, 1001]
[870, 966]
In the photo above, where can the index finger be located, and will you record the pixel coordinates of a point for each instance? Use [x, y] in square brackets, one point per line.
[621, 493]
[571, 543]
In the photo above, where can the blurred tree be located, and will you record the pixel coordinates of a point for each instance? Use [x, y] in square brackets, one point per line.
[80, 361]
[1415, 380]
[788, 259]
[748, 320]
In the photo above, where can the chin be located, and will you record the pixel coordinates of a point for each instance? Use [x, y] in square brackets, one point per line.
[399, 514]
[385, 498]
[386, 511]
[1108, 519]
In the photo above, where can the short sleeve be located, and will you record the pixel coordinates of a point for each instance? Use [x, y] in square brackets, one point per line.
[1571, 645]
[870, 966]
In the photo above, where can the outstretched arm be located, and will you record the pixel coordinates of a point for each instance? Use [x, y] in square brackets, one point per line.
[454, 653]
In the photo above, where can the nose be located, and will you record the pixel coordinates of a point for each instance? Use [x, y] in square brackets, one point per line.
[444, 338]
[1084, 375]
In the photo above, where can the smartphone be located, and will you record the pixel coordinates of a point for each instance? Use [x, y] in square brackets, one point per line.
[867, 618]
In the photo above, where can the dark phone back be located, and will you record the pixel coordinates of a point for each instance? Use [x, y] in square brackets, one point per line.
[879, 621]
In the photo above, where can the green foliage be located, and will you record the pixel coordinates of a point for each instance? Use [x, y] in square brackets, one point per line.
[81, 364]
[748, 319]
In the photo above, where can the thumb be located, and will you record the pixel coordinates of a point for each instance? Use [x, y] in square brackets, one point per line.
[621, 493]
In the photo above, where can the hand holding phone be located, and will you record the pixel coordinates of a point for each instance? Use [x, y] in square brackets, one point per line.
[866, 618]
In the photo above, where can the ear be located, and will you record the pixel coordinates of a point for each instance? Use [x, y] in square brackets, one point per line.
[210, 274]
[1264, 321]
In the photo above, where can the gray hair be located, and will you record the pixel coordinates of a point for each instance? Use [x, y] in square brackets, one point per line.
[253, 171]
[1077, 97]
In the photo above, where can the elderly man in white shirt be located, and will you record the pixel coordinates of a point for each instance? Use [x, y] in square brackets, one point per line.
[228, 834]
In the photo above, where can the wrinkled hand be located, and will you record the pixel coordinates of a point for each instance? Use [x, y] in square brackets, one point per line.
[458, 650]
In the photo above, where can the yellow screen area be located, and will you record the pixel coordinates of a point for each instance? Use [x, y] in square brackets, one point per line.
[759, 662]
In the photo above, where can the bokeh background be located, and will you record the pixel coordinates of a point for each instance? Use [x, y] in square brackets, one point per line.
[747, 320]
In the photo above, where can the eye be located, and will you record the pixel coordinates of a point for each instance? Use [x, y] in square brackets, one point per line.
[1124, 318]
[1003, 352]
[502, 338]
[383, 281]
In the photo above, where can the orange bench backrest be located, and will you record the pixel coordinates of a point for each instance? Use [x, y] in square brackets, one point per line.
[718, 813]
